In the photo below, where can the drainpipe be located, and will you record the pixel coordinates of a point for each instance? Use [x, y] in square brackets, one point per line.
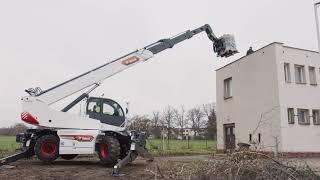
[316, 6]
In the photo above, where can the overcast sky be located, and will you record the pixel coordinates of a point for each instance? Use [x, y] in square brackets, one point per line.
[43, 43]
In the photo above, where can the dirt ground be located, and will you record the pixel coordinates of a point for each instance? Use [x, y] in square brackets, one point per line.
[82, 168]
[89, 168]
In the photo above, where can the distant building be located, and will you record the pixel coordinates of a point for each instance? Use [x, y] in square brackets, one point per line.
[178, 133]
[271, 100]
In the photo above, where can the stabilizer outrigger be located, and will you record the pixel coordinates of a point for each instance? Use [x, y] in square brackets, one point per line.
[137, 148]
[25, 152]
[21, 155]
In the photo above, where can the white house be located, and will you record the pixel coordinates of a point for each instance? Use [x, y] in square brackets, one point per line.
[270, 99]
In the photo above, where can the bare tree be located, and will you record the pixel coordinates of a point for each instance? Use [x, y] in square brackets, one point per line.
[155, 118]
[140, 123]
[13, 130]
[195, 116]
[180, 118]
[209, 111]
[168, 120]
[156, 124]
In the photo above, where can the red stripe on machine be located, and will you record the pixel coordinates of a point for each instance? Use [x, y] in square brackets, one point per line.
[28, 118]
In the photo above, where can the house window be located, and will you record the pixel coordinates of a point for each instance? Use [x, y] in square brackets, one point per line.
[316, 116]
[250, 138]
[300, 74]
[303, 116]
[312, 75]
[290, 115]
[228, 88]
[259, 138]
[287, 75]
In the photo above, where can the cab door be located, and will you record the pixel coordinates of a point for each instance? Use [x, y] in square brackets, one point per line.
[112, 113]
[94, 108]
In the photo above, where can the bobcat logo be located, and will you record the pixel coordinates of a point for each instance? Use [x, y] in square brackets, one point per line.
[130, 60]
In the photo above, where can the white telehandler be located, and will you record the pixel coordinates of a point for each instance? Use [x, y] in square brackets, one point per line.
[102, 130]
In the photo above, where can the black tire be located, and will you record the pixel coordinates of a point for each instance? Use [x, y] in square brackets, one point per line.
[68, 156]
[47, 148]
[109, 151]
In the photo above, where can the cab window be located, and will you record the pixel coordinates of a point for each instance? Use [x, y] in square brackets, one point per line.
[112, 109]
[94, 107]
[107, 109]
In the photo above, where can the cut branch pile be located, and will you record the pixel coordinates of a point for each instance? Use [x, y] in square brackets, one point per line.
[237, 165]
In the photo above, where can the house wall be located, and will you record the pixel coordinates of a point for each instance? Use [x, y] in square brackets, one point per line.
[254, 107]
[297, 137]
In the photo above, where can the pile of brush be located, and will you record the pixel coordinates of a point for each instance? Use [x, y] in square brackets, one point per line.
[237, 165]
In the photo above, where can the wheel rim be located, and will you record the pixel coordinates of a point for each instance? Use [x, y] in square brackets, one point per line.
[48, 148]
[104, 150]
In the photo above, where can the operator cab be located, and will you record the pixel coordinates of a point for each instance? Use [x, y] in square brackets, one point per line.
[106, 110]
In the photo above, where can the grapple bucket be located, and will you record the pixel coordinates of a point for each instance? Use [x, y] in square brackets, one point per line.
[225, 46]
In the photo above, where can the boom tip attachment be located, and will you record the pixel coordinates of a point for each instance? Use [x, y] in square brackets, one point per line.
[225, 46]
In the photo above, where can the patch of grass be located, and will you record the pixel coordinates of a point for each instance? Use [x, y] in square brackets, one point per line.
[8, 145]
[180, 147]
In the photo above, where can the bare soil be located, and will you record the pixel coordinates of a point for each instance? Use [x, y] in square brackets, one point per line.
[89, 168]
[83, 168]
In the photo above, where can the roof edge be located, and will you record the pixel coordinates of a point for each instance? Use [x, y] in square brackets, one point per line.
[301, 49]
[248, 55]
[263, 48]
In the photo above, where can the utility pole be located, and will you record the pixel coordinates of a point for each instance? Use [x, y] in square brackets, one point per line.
[316, 6]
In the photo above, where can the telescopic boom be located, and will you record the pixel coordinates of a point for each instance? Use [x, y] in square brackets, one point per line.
[223, 46]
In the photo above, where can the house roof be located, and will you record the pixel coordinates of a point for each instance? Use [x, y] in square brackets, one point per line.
[263, 48]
